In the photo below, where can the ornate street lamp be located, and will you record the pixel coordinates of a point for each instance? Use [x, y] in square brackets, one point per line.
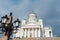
[3, 22]
[16, 25]
[4, 19]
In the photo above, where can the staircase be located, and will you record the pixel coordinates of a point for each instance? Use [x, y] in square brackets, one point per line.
[54, 38]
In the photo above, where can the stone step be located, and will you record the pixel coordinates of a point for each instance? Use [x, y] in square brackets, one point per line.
[55, 38]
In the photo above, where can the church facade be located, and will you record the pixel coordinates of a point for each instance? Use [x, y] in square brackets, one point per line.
[32, 28]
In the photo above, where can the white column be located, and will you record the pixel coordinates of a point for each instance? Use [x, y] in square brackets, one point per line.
[21, 32]
[25, 33]
[28, 33]
[39, 32]
[51, 34]
[35, 32]
[32, 32]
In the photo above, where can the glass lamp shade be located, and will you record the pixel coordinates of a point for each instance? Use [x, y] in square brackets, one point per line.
[3, 19]
[16, 23]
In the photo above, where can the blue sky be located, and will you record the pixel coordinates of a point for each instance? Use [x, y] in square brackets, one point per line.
[48, 10]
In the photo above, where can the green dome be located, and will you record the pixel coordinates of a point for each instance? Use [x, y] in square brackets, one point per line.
[32, 12]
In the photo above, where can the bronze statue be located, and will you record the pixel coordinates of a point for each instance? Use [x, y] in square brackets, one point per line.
[8, 27]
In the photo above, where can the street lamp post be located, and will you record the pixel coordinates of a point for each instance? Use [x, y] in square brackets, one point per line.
[16, 25]
[4, 19]
[3, 23]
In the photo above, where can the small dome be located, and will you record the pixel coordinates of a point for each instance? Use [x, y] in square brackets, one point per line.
[23, 20]
[40, 20]
[32, 14]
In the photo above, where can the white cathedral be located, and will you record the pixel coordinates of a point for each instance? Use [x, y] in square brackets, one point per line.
[32, 28]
